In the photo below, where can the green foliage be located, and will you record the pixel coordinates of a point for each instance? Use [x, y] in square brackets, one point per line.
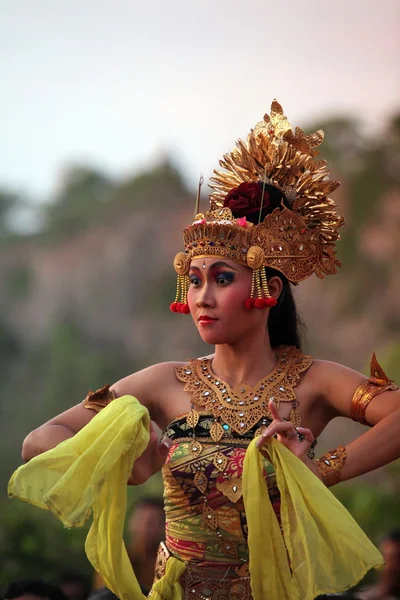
[18, 282]
[374, 507]
[34, 544]
[79, 202]
[151, 189]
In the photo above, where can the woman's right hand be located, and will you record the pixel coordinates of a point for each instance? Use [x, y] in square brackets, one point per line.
[153, 458]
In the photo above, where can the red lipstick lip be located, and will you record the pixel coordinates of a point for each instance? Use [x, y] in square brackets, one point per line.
[206, 319]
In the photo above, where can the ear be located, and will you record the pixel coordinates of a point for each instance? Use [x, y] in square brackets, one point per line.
[275, 286]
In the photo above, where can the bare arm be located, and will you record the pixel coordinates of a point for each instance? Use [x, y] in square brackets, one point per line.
[146, 385]
[380, 444]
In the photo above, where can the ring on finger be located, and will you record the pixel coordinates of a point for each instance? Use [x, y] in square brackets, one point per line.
[300, 435]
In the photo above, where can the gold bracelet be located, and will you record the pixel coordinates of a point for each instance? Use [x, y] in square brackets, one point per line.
[377, 383]
[330, 464]
[99, 399]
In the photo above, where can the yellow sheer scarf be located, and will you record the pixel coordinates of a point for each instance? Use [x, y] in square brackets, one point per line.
[87, 474]
[325, 548]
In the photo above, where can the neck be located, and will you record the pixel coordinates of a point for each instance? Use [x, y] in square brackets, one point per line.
[248, 361]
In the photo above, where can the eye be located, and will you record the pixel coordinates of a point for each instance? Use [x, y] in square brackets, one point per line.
[195, 281]
[225, 278]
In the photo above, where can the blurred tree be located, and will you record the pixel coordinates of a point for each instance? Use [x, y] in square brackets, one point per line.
[80, 200]
[152, 188]
[10, 202]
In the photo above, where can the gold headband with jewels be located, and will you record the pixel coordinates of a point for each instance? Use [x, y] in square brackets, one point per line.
[269, 208]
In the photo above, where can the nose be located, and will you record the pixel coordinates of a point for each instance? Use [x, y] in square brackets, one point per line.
[205, 298]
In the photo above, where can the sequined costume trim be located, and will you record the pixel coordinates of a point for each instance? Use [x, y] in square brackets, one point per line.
[242, 407]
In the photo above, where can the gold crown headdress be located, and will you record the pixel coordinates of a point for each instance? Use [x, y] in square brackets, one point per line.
[298, 234]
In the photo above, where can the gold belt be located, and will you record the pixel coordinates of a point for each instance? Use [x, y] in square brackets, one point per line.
[215, 582]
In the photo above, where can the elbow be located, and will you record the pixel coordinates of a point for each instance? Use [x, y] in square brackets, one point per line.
[29, 449]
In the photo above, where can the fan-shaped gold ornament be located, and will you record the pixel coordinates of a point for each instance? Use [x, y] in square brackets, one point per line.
[298, 239]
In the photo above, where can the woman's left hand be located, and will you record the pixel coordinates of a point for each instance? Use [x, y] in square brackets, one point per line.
[296, 439]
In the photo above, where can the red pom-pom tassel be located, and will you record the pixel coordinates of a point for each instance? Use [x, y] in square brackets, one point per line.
[174, 307]
[270, 302]
[259, 303]
[185, 310]
[249, 303]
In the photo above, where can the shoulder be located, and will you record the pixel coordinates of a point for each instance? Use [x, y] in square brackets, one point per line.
[326, 371]
[149, 377]
[335, 384]
[152, 386]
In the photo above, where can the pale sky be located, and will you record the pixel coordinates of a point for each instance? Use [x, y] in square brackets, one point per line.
[117, 83]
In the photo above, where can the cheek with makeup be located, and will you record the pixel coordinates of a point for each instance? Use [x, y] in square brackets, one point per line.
[216, 299]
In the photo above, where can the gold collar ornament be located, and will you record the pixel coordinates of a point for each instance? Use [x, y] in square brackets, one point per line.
[274, 180]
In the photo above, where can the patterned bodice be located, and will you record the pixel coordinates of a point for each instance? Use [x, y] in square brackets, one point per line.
[203, 494]
[205, 514]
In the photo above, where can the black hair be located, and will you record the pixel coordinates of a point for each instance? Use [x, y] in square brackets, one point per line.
[34, 587]
[285, 326]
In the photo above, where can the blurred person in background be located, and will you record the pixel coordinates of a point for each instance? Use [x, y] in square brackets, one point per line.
[145, 529]
[246, 415]
[74, 585]
[388, 585]
[33, 589]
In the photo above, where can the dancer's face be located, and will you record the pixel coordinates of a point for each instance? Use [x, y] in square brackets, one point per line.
[218, 290]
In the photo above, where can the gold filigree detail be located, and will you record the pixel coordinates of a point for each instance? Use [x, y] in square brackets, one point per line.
[209, 516]
[231, 488]
[181, 264]
[330, 465]
[229, 548]
[216, 431]
[99, 399]
[243, 407]
[220, 461]
[200, 481]
[195, 448]
[192, 418]
[255, 257]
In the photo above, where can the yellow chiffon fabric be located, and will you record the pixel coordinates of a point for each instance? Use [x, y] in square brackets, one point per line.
[322, 550]
[87, 474]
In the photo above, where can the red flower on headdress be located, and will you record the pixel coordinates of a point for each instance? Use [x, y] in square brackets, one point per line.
[245, 199]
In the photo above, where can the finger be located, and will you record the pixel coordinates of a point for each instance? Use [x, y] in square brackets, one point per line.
[274, 411]
[161, 453]
[276, 427]
[308, 436]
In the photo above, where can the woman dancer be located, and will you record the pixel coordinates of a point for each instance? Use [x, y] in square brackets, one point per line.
[248, 512]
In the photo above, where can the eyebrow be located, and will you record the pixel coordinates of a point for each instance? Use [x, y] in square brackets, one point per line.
[216, 265]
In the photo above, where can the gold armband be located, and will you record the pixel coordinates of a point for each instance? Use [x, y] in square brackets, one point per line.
[99, 399]
[331, 464]
[377, 383]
